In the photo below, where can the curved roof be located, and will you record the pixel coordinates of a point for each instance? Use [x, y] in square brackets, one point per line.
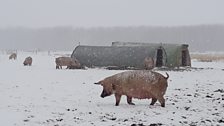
[101, 56]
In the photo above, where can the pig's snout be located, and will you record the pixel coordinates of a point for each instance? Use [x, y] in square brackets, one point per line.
[104, 94]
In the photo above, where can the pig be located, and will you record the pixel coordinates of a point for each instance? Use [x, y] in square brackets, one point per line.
[13, 56]
[67, 61]
[141, 84]
[149, 63]
[28, 61]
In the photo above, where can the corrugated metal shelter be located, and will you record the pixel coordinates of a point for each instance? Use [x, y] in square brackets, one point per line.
[124, 55]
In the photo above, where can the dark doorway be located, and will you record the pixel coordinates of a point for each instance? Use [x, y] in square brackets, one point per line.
[159, 58]
[184, 58]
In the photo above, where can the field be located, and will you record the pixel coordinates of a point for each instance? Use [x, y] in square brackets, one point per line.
[41, 95]
[208, 57]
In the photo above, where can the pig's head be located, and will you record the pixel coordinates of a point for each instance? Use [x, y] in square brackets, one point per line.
[107, 88]
[75, 63]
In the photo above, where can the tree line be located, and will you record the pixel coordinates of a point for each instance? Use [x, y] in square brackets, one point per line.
[200, 38]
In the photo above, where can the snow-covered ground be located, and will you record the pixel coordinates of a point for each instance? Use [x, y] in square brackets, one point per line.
[41, 95]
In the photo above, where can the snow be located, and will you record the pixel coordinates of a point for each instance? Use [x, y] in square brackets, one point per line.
[42, 95]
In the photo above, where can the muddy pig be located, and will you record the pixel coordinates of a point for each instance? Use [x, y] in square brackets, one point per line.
[141, 84]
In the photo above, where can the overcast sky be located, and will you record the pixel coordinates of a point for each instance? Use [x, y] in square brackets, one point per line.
[109, 13]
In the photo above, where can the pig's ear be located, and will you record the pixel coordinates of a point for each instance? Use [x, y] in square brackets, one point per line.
[98, 83]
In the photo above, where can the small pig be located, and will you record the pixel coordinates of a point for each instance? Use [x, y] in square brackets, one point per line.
[13, 56]
[28, 61]
[141, 84]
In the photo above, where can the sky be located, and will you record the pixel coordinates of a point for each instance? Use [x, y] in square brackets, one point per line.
[109, 13]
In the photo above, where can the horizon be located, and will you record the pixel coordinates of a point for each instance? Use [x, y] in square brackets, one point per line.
[198, 37]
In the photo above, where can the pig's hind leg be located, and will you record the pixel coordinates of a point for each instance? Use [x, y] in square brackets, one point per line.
[129, 100]
[162, 101]
[153, 101]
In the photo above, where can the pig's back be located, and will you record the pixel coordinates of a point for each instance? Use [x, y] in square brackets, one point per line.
[137, 76]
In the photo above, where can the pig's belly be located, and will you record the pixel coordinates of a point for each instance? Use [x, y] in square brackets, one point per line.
[140, 94]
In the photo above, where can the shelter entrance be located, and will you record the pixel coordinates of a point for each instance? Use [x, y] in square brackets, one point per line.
[184, 58]
[159, 58]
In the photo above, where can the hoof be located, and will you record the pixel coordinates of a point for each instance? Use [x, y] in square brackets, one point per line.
[131, 103]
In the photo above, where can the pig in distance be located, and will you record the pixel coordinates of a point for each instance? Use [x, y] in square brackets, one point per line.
[28, 61]
[13, 56]
[67, 61]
